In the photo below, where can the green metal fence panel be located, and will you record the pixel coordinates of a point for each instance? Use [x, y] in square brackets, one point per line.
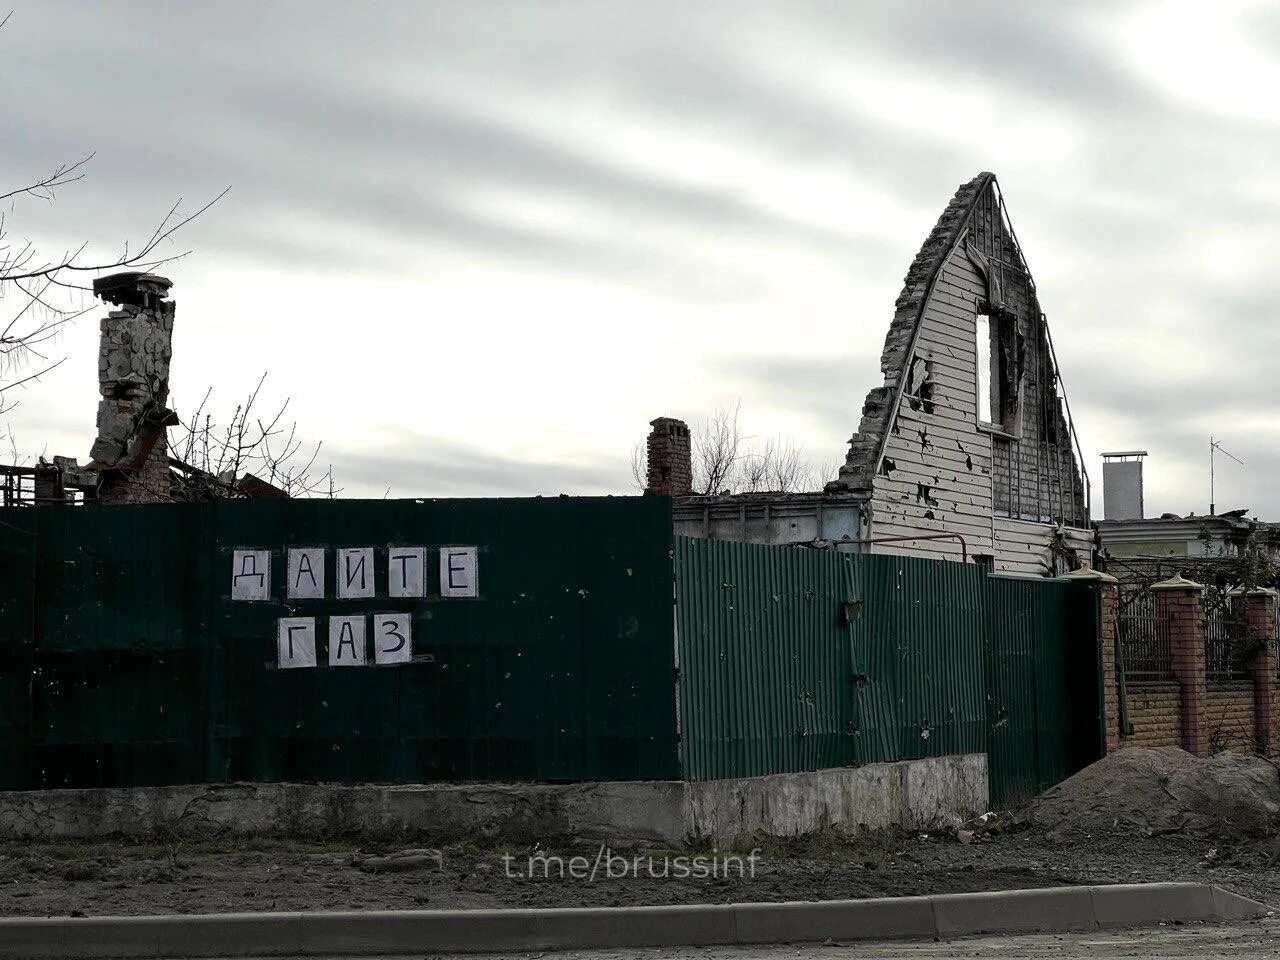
[17, 644]
[1044, 683]
[143, 669]
[116, 691]
[1013, 754]
[562, 669]
[917, 663]
[764, 659]
[1086, 709]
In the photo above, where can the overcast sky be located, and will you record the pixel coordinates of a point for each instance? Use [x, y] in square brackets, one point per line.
[481, 244]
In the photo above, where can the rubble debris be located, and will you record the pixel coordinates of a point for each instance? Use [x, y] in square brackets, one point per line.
[1150, 791]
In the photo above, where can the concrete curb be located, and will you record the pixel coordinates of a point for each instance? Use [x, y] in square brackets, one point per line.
[1055, 909]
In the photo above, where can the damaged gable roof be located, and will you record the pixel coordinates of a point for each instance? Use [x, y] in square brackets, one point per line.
[948, 233]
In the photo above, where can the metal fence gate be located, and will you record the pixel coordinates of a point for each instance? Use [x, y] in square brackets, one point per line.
[1044, 690]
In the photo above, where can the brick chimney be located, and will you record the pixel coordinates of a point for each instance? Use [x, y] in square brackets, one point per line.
[131, 450]
[669, 467]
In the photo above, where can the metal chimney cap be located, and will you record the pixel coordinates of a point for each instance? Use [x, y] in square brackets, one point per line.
[133, 286]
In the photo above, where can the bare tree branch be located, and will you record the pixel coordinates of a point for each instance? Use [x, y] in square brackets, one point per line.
[266, 447]
[716, 444]
[48, 289]
[639, 467]
[725, 460]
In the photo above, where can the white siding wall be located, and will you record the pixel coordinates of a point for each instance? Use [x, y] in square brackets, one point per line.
[945, 451]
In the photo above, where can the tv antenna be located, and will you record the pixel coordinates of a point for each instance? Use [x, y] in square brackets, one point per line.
[1215, 446]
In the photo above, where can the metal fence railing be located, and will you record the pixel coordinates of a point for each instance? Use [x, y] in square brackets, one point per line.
[1144, 641]
[1224, 637]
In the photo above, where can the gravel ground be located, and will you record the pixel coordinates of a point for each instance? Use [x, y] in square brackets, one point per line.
[120, 879]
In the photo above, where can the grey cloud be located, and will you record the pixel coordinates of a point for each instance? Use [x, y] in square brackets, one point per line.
[439, 467]
[397, 167]
[826, 391]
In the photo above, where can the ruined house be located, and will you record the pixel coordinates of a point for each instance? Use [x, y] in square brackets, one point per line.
[129, 461]
[965, 452]
[130, 454]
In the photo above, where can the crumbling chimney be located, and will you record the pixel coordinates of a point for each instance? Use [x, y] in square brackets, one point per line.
[670, 469]
[1122, 485]
[131, 452]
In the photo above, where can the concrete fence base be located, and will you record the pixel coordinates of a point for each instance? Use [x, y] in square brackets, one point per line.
[914, 795]
[1059, 909]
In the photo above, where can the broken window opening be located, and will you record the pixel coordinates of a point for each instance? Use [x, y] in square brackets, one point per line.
[920, 385]
[998, 364]
[986, 385]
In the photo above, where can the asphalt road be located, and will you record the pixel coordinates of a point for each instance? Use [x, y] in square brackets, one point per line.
[1239, 942]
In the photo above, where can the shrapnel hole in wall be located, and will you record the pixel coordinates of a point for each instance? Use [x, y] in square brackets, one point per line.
[924, 494]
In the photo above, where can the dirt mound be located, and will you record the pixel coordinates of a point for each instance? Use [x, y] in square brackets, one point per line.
[1163, 790]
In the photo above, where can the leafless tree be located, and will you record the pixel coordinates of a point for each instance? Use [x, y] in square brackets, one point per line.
[727, 460]
[717, 451]
[777, 465]
[640, 466]
[220, 453]
[42, 291]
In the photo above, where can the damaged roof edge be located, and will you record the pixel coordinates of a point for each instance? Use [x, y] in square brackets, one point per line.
[866, 447]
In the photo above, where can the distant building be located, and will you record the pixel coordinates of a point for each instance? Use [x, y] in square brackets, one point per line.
[1207, 548]
[1221, 535]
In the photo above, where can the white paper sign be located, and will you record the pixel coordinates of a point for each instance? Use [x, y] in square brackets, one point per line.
[306, 573]
[392, 638]
[458, 572]
[354, 575]
[346, 642]
[405, 566]
[251, 575]
[296, 642]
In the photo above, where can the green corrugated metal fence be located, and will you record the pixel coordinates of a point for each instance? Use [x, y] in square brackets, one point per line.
[793, 659]
[17, 619]
[764, 659]
[917, 658]
[1043, 680]
[126, 662]
[138, 668]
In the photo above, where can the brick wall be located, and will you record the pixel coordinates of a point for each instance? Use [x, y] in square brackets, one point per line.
[1207, 716]
[1229, 716]
[1154, 713]
[1109, 597]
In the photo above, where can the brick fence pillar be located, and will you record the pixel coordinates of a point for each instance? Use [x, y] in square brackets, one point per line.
[1260, 625]
[1109, 596]
[1180, 614]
